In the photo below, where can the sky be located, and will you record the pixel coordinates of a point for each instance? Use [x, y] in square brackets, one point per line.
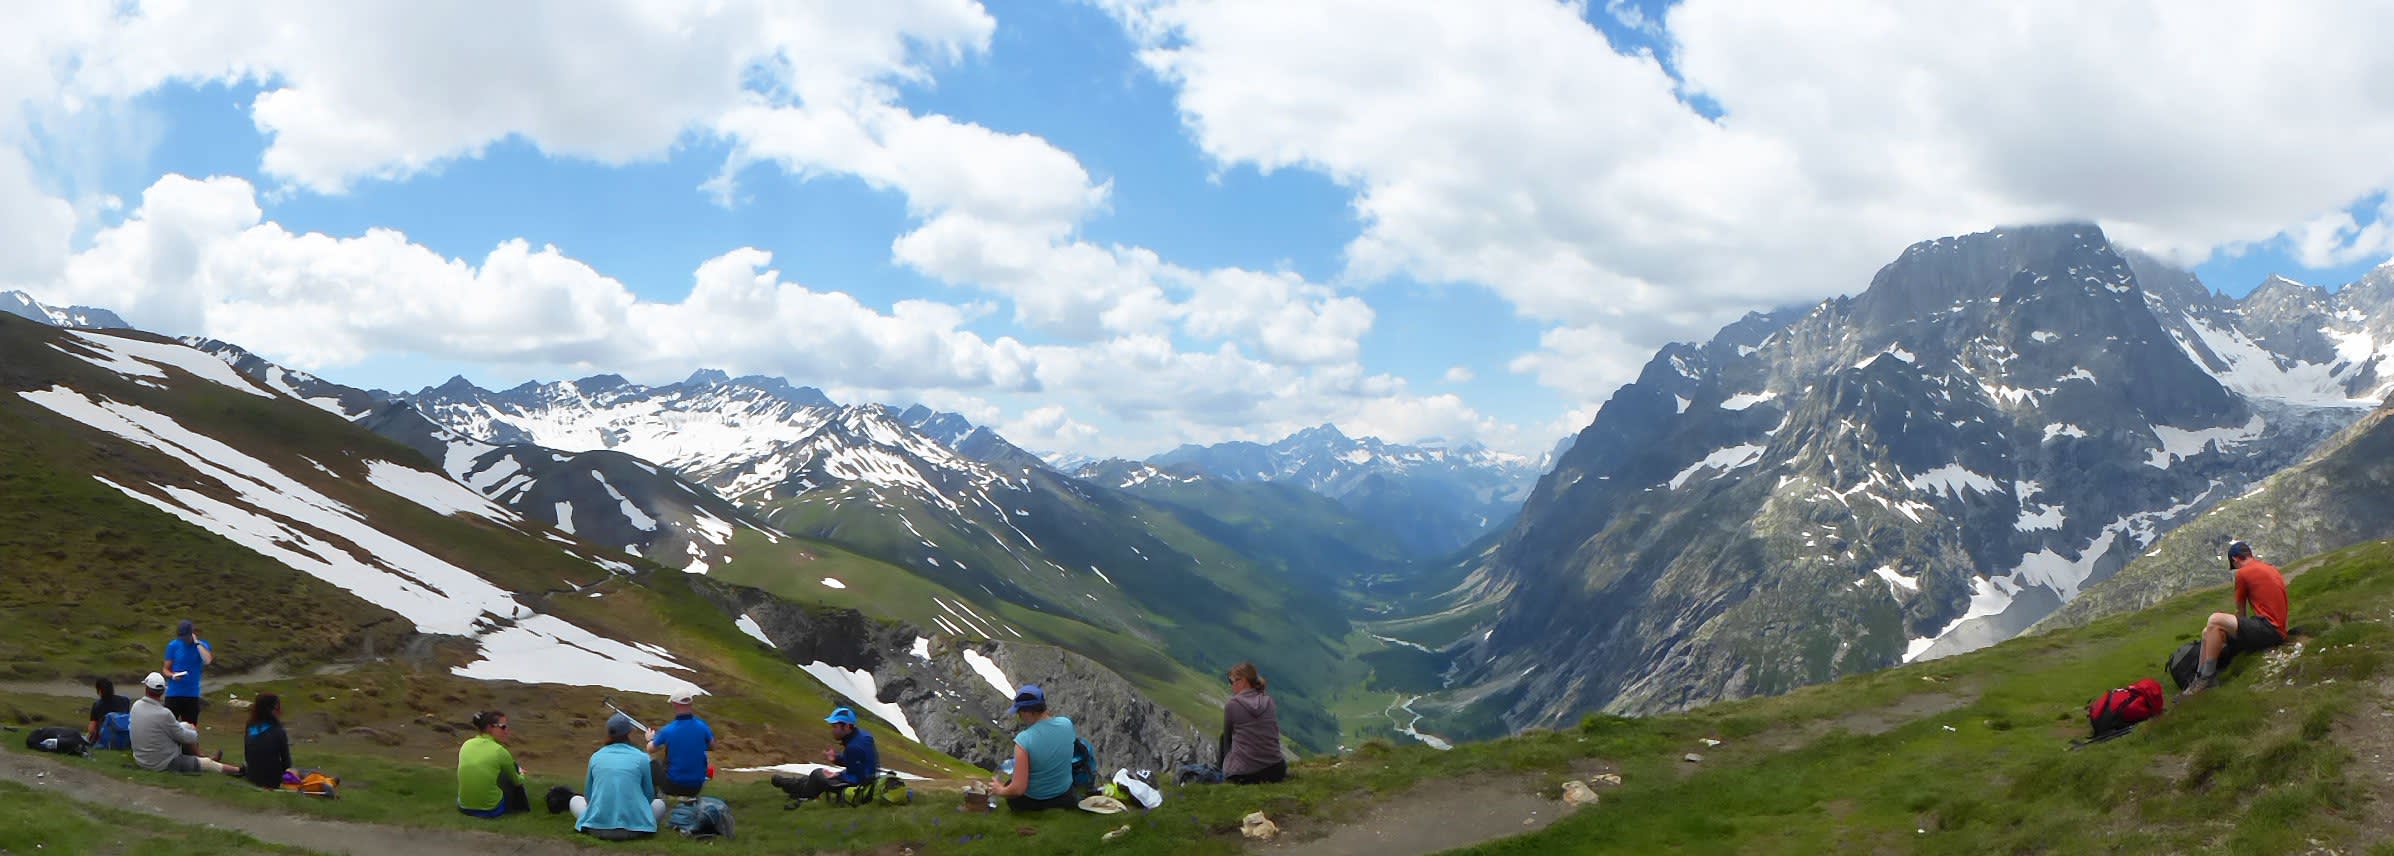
[1108, 227]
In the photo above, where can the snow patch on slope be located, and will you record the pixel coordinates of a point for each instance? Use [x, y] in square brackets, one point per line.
[438, 597]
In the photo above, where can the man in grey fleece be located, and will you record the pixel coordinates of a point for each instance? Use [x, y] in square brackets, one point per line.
[159, 739]
[1250, 747]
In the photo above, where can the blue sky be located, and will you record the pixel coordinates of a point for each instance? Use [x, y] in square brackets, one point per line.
[1527, 316]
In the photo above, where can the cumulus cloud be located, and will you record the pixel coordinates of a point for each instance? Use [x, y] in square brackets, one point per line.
[196, 256]
[385, 90]
[1458, 374]
[1509, 144]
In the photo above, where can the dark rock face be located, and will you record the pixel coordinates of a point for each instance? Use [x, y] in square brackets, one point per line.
[951, 706]
[2000, 421]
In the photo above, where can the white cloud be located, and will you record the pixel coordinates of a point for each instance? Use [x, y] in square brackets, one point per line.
[196, 256]
[386, 90]
[1458, 374]
[2339, 239]
[1506, 143]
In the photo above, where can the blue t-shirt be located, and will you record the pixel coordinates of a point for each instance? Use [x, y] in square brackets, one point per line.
[184, 657]
[686, 740]
[1049, 743]
[619, 790]
[861, 760]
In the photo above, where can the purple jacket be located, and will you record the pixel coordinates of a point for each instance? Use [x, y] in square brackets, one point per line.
[1250, 733]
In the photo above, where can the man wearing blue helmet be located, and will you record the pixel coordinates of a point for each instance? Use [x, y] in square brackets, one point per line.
[856, 756]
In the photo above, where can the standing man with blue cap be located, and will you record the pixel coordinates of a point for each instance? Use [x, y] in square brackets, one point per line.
[858, 759]
[686, 741]
[187, 656]
[1042, 774]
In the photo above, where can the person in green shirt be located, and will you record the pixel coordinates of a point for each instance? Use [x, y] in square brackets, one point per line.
[489, 783]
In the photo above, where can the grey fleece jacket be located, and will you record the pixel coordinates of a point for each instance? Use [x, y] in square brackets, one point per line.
[157, 736]
[1250, 733]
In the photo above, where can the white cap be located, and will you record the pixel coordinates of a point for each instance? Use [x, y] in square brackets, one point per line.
[155, 681]
[682, 697]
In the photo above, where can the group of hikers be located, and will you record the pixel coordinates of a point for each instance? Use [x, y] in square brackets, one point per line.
[628, 780]
[161, 728]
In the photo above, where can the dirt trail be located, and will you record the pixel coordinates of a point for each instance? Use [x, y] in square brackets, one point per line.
[69, 778]
[1428, 819]
[263, 674]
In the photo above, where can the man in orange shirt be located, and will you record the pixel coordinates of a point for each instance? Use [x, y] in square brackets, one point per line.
[2259, 589]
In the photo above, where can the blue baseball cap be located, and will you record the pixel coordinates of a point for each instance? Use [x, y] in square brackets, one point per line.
[841, 715]
[1029, 696]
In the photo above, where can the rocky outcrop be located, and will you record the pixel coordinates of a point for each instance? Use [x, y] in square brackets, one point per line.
[953, 706]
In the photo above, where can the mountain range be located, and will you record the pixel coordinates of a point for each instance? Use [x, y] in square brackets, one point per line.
[1999, 422]
[1429, 498]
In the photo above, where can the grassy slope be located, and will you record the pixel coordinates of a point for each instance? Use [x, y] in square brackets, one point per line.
[1173, 592]
[1964, 755]
[33, 820]
[84, 593]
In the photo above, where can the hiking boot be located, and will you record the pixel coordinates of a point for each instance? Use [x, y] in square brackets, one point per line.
[2200, 684]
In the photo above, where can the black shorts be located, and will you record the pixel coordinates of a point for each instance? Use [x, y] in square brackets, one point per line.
[2254, 633]
[186, 708]
[1275, 773]
[1024, 803]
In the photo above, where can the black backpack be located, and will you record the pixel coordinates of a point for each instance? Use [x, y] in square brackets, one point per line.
[2183, 664]
[64, 741]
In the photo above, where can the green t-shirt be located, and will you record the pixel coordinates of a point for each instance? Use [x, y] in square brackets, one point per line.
[1049, 743]
[482, 763]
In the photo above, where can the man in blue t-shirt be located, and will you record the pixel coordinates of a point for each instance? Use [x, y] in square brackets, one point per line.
[686, 741]
[858, 759]
[187, 656]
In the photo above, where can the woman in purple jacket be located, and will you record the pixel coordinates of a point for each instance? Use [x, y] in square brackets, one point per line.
[1250, 747]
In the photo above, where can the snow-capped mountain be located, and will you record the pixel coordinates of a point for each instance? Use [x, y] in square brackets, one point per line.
[1998, 422]
[601, 497]
[950, 502]
[1433, 498]
[23, 305]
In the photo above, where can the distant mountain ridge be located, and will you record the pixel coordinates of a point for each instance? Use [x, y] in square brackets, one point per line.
[23, 305]
[2000, 421]
[1432, 499]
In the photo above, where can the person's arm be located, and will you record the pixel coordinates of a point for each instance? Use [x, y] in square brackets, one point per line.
[2244, 598]
[186, 733]
[1021, 780]
[1222, 746]
[206, 652]
[281, 750]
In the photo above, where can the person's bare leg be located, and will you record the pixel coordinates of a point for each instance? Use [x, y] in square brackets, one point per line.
[2216, 632]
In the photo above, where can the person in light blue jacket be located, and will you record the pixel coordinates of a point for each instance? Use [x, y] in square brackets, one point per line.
[619, 800]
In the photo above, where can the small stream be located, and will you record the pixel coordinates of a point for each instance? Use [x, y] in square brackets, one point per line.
[1406, 727]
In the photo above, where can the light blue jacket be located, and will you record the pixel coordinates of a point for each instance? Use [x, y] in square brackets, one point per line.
[619, 790]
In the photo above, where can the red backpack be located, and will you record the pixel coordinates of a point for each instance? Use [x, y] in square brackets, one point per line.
[2112, 712]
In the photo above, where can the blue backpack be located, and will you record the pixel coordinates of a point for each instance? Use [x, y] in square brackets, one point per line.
[1084, 766]
[116, 732]
[705, 816]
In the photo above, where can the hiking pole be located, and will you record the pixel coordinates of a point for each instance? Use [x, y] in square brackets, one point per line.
[609, 701]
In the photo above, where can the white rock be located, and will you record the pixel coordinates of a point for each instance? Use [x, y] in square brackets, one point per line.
[1605, 779]
[1693, 758]
[1577, 794]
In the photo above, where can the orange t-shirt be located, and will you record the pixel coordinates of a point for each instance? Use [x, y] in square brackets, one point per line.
[2259, 583]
